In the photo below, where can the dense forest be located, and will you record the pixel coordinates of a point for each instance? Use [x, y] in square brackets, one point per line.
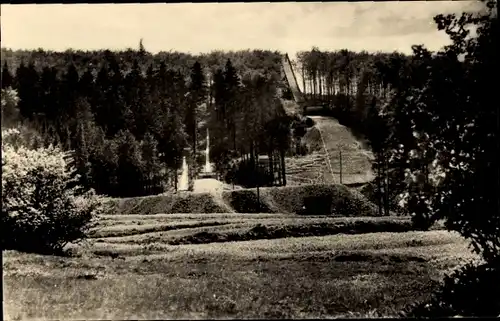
[166, 100]
[131, 116]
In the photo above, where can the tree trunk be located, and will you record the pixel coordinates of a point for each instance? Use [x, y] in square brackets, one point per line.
[314, 85]
[252, 155]
[340, 159]
[277, 168]
[271, 162]
[195, 131]
[386, 186]
[175, 178]
[303, 80]
[283, 170]
[234, 136]
[320, 86]
[210, 94]
[379, 186]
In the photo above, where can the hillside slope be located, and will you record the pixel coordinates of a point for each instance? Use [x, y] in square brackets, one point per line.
[325, 140]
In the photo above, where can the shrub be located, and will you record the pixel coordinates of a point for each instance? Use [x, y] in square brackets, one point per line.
[10, 112]
[166, 204]
[471, 291]
[319, 199]
[369, 190]
[248, 175]
[22, 136]
[318, 205]
[43, 207]
[309, 122]
[246, 201]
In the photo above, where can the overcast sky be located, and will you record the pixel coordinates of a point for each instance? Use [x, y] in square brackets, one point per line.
[287, 27]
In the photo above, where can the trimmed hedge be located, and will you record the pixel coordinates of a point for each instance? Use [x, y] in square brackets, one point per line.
[246, 201]
[320, 200]
[306, 200]
[166, 204]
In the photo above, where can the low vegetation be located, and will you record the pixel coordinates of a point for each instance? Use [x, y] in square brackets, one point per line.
[169, 203]
[319, 199]
[307, 199]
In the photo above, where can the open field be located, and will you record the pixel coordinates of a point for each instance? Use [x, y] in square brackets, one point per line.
[130, 268]
[314, 168]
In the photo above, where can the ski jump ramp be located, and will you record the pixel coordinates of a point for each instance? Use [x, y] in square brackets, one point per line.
[291, 79]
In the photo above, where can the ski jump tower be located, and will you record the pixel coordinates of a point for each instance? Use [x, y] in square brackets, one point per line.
[298, 96]
[292, 80]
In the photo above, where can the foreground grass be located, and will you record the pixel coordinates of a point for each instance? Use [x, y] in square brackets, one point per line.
[374, 274]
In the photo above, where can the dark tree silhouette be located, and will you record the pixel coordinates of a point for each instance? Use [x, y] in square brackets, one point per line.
[7, 79]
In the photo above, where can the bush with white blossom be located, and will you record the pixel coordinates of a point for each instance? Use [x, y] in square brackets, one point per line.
[43, 207]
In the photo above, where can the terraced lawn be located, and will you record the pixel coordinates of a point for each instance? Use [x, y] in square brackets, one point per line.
[130, 269]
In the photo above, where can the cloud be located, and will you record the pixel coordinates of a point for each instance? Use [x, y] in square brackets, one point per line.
[228, 26]
[398, 18]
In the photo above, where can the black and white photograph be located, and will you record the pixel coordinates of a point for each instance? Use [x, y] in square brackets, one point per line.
[250, 160]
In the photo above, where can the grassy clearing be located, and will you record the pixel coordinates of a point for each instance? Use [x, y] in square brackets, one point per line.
[373, 274]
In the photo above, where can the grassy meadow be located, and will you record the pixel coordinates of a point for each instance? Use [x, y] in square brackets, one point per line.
[235, 265]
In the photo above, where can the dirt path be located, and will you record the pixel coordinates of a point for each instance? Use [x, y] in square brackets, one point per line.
[208, 185]
[214, 187]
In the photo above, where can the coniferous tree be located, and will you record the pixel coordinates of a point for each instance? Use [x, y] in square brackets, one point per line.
[129, 171]
[84, 140]
[151, 164]
[67, 121]
[100, 107]
[69, 91]
[28, 90]
[49, 96]
[115, 98]
[219, 148]
[86, 85]
[197, 91]
[378, 133]
[232, 87]
[7, 79]
[219, 96]
[142, 50]
[152, 111]
[134, 99]
[105, 160]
